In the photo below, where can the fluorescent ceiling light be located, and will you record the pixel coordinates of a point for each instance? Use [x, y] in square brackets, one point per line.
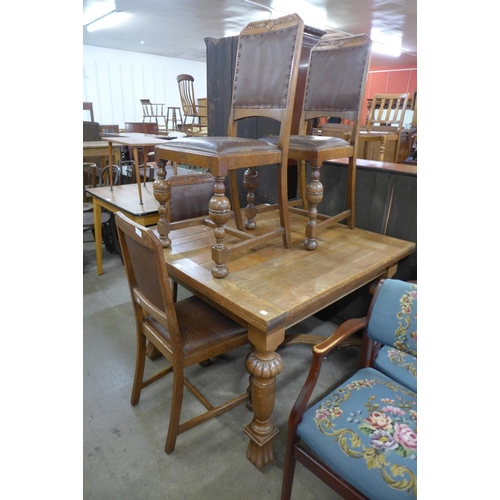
[107, 21]
[383, 43]
[96, 10]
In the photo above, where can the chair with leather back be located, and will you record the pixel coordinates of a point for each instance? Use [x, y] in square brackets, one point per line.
[384, 124]
[264, 86]
[361, 439]
[186, 332]
[335, 86]
[188, 202]
[193, 113]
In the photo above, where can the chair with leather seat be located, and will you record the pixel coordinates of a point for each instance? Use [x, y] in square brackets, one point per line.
[186, 332]
[335, 86]
[384, 124]
[361, 439]
[264, 86]
[193, 113]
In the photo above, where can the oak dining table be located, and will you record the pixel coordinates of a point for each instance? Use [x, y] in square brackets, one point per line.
[271, 288]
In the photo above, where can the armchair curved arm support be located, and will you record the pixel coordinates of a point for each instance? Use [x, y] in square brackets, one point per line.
[319, 352]
[341, 333]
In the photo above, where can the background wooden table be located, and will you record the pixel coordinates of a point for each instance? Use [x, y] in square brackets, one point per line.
[122, 198]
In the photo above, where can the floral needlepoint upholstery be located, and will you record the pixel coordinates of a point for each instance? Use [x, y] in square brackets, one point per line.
[366, 431]
[393, 323]
[361, 439]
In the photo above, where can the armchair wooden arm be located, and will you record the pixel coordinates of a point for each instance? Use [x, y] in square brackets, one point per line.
[344, 331]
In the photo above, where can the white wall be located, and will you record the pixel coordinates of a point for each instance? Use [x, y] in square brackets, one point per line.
[116, 80]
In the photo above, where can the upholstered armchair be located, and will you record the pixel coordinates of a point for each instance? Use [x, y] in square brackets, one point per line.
[361, 439]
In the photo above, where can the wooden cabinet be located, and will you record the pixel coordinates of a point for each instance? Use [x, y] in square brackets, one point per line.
[202, 109]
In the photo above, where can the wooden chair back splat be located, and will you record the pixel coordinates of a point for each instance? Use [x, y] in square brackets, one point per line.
[385, 123]
[190, 108]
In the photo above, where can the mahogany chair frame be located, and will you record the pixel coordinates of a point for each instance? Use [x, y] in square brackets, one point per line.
[294, 451]
[257, 92]
[186, 332]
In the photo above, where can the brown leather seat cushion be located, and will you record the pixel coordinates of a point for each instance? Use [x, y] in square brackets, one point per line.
[222, 145]
[311, 142]
[200, 324]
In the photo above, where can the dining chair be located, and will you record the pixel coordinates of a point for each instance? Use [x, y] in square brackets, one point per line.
[264, 85]
[153, 111]
[88, 106]
[185, 332]
[190, 107]
[384, 124]
[141, 128]
[360, 438]
[335, 86]
[188, 199]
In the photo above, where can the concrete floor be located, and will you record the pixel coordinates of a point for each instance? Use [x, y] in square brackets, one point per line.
[123, 446]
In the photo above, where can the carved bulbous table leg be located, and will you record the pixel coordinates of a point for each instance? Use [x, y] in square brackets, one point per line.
[314, 195]
[161, 192]
[263, 368]
[219, 209]
[251, 182]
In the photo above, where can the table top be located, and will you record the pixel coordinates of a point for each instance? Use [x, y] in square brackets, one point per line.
[124, 197]
[96, 144]
[271, 287]
[135, 139]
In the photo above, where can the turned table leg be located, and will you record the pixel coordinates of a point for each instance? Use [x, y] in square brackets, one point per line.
[219, 209]
[263, 367]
